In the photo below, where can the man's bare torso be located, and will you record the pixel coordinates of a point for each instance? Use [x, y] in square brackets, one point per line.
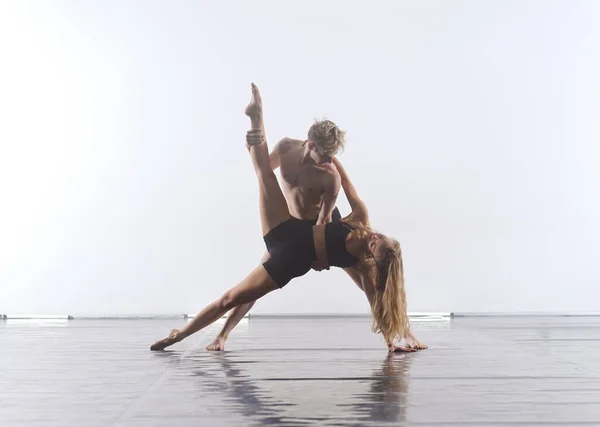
[303, 183]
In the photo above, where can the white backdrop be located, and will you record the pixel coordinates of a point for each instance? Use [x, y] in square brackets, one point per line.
[472, 135]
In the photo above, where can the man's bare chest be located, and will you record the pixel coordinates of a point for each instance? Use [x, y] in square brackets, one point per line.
[302, 177]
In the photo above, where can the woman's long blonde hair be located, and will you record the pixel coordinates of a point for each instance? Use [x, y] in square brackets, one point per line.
[389, 300]
[388, 303]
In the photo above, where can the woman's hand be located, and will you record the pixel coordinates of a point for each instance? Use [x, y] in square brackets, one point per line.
[397, 349]
[412, 342]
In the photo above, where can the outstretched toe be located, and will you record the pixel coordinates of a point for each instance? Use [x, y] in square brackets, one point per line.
[254, 109]
[166, 342]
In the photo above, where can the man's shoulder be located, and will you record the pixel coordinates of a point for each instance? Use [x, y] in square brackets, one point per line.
[287, 144]
[291, 141]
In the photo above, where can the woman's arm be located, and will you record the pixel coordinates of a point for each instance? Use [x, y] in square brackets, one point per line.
[360, 212]
[357, 279]
[368, 288]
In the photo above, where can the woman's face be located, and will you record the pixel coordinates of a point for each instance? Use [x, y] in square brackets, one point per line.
[378, 244]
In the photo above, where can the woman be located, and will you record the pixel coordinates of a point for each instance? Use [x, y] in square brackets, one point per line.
[373, 260]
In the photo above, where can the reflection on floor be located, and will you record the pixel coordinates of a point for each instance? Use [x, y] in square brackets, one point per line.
[304, 371]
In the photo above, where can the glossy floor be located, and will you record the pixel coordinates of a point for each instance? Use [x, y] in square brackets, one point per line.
[296, 372]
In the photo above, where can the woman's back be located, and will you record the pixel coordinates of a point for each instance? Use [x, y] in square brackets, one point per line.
[336, 234]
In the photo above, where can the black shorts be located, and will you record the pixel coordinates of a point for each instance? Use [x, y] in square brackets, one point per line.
[292, 249]
[336, 215]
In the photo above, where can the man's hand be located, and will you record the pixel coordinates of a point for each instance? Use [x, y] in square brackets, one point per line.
[255, 137]
[323, 221]
[319, 266]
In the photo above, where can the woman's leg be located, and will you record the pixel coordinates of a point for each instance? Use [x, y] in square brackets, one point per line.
[254, 286]
[273, 210]
[273, 206]
[233, 319]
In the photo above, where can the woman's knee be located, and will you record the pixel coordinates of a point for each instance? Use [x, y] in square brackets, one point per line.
[255, 286]
[227, 301]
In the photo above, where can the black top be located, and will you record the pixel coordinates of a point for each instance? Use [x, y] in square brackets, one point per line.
[335, 244]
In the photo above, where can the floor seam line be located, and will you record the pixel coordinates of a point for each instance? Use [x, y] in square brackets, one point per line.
[130, 411]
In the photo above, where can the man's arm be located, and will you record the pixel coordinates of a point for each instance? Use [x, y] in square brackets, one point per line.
[332, 189]
[359, 209]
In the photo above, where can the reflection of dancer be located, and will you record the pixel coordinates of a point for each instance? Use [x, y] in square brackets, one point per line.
[386, 400]
[295, 246]
[383, 400]
[242, 392]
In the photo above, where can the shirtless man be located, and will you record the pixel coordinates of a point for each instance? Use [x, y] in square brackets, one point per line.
[310, 183]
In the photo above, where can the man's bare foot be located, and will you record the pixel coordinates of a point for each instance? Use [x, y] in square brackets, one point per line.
[166, 342]
[217, 345]
[254, 109]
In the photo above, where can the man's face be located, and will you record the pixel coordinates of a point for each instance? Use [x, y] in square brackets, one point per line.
[320, 157]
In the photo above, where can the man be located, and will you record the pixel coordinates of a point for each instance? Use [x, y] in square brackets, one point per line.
[310, 183]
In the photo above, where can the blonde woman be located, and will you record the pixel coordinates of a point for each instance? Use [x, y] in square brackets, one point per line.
[373, 260]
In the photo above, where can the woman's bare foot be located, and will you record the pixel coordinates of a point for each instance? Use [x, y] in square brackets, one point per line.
[166, 342]
[254, 109]
[217, 345]
[395, 349]
[412, 342]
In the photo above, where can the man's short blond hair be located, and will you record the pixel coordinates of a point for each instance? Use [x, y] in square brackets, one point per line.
[327, 137]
